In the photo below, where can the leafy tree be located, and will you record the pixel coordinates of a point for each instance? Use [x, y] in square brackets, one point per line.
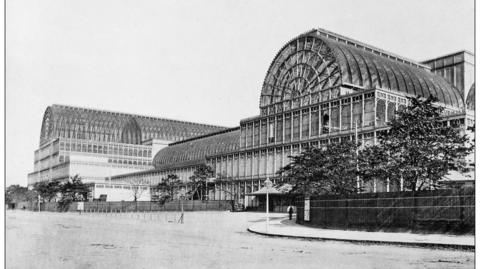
[373, 163]
[328, 170]
[420, 148]
[168, 187]
[47, 189]
[199, 180]
[17, 193]
[74, 190]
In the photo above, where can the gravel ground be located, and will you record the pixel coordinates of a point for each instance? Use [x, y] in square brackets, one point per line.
[205, 240]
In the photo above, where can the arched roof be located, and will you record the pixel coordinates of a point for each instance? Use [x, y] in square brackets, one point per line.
[320, 60]
[470, 102]
[83, 123]
[193, 151]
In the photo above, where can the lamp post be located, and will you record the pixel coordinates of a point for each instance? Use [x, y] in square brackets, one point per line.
[268, 185]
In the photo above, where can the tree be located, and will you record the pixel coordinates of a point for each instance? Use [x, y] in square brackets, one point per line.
[199, 180]
[420, 148]
[136, 190]
[17, 193]
[47, 189]
[74, 189]
[328, 170]
[168, 187]
[373, 163]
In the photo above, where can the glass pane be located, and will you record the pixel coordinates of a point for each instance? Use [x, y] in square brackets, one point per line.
[296, 126]
[305, 124]
[279, 135]
[346, 117]
[264, 133]
[335, 119]
[369, 112]
[325, 121]
[315, 123]
[390, 111]
[381, 112]
[256, 137]
[357, 114]
[288, 128]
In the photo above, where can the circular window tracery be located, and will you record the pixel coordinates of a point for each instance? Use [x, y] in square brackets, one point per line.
[305, 65]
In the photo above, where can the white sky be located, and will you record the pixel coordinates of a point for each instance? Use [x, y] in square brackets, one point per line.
[201, 61]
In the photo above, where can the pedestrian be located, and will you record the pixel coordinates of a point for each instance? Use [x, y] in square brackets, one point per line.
[290, 212]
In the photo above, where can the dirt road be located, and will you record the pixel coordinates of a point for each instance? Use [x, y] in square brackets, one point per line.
[205, 240]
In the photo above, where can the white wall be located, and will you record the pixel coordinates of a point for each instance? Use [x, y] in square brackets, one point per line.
[116, 193]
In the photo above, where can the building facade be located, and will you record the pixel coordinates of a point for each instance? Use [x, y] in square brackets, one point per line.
[320, 88]
[97, 144]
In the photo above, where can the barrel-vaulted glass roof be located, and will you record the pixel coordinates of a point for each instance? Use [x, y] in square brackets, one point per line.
[320, 59]
[74, 122]
[193, 151]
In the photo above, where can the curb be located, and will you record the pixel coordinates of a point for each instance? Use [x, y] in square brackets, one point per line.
[400, 243]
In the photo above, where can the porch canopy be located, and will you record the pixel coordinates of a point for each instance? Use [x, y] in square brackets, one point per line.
[263, 191]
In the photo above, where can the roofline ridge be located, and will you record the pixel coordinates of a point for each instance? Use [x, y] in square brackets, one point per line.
[136, 115]
[449, 54]
[205, 135]
[336, 36]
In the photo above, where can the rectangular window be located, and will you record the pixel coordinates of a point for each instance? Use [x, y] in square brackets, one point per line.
[369, 111]
[263, 135]
[459, 76]
[248, 165]
[271, 130]
[270, 162]
[325, 118]
[288, 128]
[305, 123]
[243, 136]
[279, 135]
[255, 161]
[315, 121]
[256, 137]
[335, 117]
[249, 134]
[390, 111]
[357, 113]
[381, 112]
[241, 171]
[296, 125]
[235, 166]
[262, 163]
[346, 114]
[278, 159]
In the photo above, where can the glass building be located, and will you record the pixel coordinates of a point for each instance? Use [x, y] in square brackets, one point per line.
[320, 88]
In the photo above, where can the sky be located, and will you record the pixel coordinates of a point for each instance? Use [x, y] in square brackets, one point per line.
[200, 60]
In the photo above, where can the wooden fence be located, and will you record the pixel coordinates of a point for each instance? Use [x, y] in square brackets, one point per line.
[451, 210]
[130, 206]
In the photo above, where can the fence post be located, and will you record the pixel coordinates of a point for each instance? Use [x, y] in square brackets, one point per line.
[414, 212]
[346, 212]
[461, 197]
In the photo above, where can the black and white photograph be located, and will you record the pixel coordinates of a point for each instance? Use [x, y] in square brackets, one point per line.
[239, 134]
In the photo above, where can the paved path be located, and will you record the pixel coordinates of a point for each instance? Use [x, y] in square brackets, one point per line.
[288, 228]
